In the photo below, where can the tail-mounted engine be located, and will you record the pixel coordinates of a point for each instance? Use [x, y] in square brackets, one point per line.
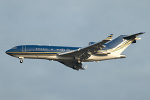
[137, 38]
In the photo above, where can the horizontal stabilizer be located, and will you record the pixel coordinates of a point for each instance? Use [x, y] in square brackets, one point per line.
[133, 36]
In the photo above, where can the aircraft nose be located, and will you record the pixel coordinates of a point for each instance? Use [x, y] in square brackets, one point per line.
[7, 52]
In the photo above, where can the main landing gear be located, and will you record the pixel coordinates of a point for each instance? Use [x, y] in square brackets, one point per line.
[21, 59]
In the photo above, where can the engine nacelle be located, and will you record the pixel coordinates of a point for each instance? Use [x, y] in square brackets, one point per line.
[91, 43]
[137, 38]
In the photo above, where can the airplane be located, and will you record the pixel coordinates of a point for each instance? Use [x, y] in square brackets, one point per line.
[74, 56]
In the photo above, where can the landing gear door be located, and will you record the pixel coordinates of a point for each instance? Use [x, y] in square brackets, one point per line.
[23, 48]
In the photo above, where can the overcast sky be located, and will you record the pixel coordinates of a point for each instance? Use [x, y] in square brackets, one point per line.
[74, 23]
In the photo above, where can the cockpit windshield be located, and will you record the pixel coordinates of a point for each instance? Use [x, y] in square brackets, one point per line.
[14, 48]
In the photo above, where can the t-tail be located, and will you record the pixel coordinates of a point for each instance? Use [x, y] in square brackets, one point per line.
[118, 45]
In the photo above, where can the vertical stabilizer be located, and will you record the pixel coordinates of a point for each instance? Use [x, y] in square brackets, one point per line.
[118, 45]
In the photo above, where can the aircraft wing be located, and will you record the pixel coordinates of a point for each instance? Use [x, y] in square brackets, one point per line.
[84, 53]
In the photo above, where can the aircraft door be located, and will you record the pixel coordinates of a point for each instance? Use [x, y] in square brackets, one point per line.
[23, 48]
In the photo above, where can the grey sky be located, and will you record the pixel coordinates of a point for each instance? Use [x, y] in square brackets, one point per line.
[74, 23]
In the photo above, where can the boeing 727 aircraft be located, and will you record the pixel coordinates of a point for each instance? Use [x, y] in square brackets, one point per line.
[74, 56]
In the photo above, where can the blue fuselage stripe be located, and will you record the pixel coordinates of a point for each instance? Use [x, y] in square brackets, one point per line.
[39, 50]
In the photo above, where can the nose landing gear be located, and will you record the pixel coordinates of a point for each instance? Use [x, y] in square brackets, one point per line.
[21, 59]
